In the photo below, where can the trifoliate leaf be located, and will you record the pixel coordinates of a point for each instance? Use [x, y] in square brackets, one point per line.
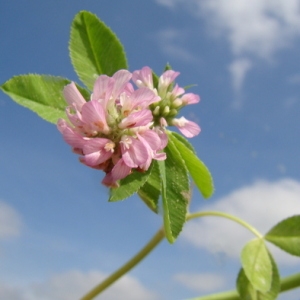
[94, 49]
[199, 172]
[129, 185]
[40, 93]
[247, 291]
[184, 141]
[151, 190]
[175, 191]
[286, 235]
[257, 265]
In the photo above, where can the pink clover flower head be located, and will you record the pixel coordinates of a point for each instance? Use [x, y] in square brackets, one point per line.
[114, 131]
[173, 99]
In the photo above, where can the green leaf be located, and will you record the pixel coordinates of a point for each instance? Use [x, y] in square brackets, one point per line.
[94, 49]
[129, 185]
[199, 172]
[286, 235]
[175, 191]
[184, 141]
[257, 265]
[40, 93]
[151, 190]
[247, 291]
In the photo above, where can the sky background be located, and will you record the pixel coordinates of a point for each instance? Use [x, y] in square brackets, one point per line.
[58, 234]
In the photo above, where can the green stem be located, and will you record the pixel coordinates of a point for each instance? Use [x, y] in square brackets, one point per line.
[227, 216]
[290, 282]
[156, 239]
[286, 284]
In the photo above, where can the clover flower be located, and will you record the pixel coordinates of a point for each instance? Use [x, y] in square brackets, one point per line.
[122, 128]
[173, 98]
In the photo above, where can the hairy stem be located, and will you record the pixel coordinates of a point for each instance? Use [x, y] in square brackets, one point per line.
[156, 239]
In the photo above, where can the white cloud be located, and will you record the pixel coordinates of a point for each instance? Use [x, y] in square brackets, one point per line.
[11, 293]
[256, 28]
[172, 43]
[262, 204]
[73, 285]
[10, 221]
[204, 282]
[238, 69]
[259, 27]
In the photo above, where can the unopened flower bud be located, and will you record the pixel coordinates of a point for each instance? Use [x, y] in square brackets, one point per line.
[173, 112]
[176, 103]
[156, 111]
[166, 110]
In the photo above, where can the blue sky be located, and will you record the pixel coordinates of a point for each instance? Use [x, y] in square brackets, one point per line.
[58, 234]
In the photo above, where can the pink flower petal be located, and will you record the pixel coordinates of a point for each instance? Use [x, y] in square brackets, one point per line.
[120, 170]
[160, 156]
[94, 144]
[143, 97]
[190, 98]
[73, 96]
[177, 91]
[186, 127]
[134, 152]
[109, 181]
[162, 135]
[143, 77]
[70, 136]
[94, 116]
[151, 138]
[139, 118]
[103, 88]
[166, 79]
[121, 79]
[97, 150]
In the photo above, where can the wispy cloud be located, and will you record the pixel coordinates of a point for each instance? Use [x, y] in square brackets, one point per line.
[262, 204]
[10, 221]
[204, 282]
[258, 27]
[73, 285]
[253, 29]
[168, 3]
[238, 70]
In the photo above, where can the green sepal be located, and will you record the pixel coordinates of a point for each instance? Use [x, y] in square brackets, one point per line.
[247, 291]
[199, 172]
[41, 94]
[129, 185]
[94, 49]
[167, 67]
[151, 190]
[175, 191]
[155, 80]
[286, 235]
